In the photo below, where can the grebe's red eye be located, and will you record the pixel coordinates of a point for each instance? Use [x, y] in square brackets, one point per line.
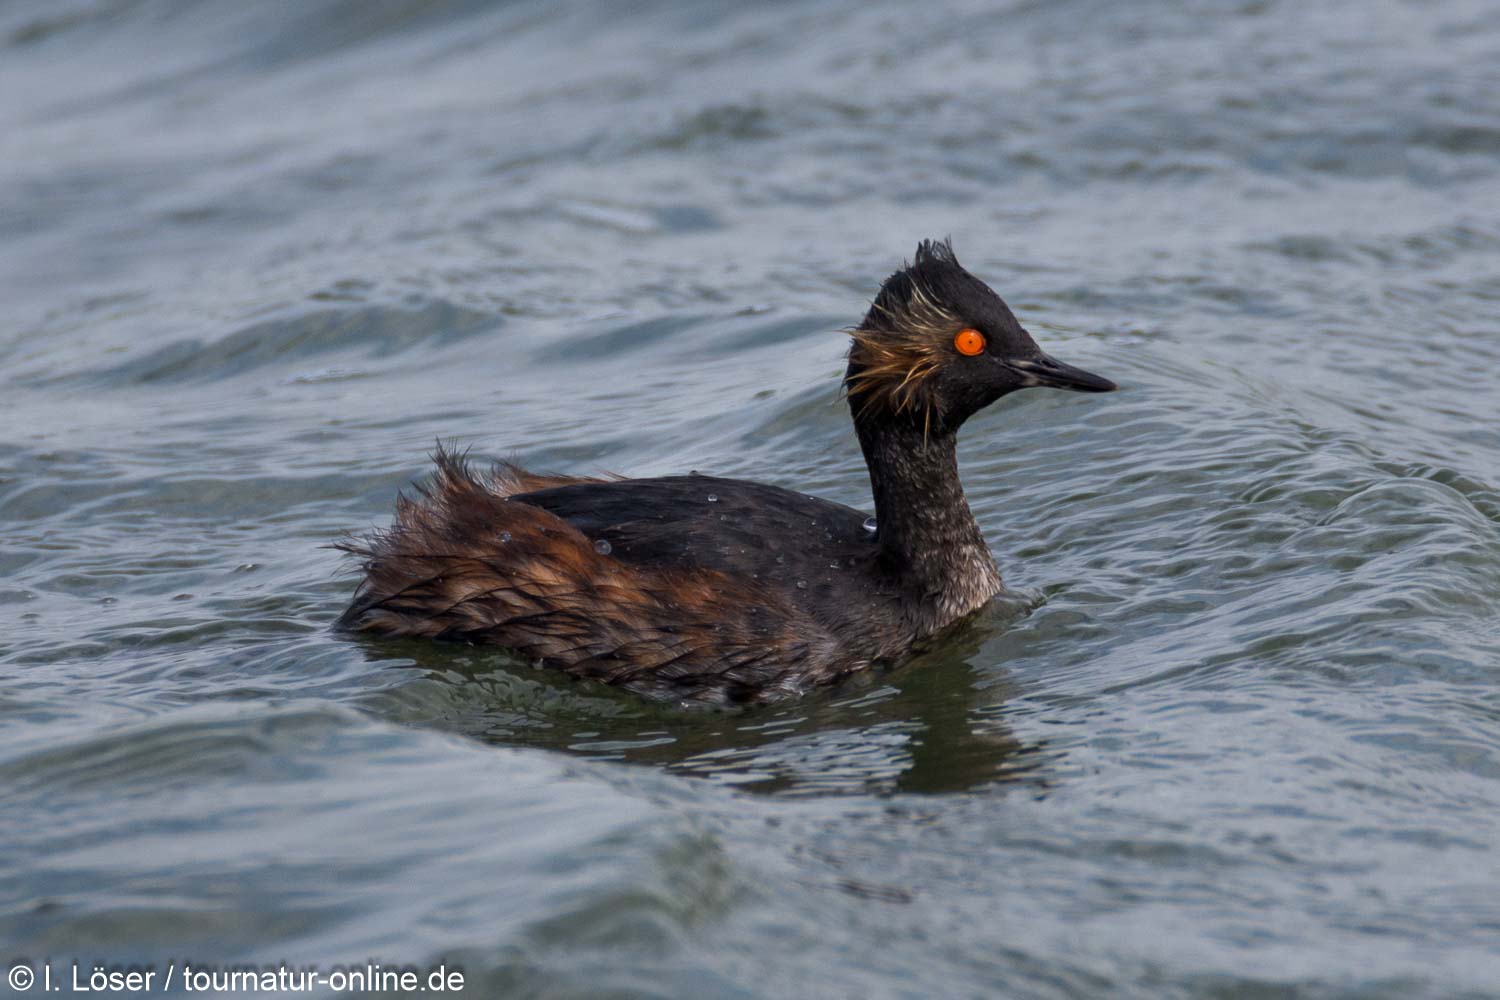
[969, 341]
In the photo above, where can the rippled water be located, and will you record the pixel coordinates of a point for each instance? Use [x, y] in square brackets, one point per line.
[1243, 737]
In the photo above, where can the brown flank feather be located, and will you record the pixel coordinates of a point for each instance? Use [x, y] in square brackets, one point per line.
[464, 561]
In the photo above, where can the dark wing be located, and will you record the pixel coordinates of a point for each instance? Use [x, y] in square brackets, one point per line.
[815, 555]
[730, 525]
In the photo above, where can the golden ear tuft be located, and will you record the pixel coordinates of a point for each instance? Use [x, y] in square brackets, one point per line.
[968, 342]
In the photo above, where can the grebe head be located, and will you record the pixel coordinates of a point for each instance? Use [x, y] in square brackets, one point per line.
[938, 345]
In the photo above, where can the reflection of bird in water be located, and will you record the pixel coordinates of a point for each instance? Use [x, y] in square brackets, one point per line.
[925, 728]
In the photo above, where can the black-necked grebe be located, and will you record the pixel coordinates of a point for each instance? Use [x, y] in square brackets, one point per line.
[722, 590]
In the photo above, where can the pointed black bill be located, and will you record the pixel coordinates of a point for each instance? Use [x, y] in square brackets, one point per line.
[1046, 371]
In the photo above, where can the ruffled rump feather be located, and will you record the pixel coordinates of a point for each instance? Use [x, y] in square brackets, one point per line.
[465, 561]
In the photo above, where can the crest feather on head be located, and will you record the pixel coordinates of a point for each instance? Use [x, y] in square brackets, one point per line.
[898, 347]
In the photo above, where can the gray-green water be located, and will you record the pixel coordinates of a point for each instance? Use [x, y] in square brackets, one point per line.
[256, 258]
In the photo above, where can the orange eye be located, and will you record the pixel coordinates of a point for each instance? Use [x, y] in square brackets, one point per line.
[969, 341]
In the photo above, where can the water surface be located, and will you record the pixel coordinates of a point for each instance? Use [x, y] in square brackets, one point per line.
[1240, 738]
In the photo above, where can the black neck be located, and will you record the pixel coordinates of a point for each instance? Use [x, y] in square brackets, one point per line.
[928, 537]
